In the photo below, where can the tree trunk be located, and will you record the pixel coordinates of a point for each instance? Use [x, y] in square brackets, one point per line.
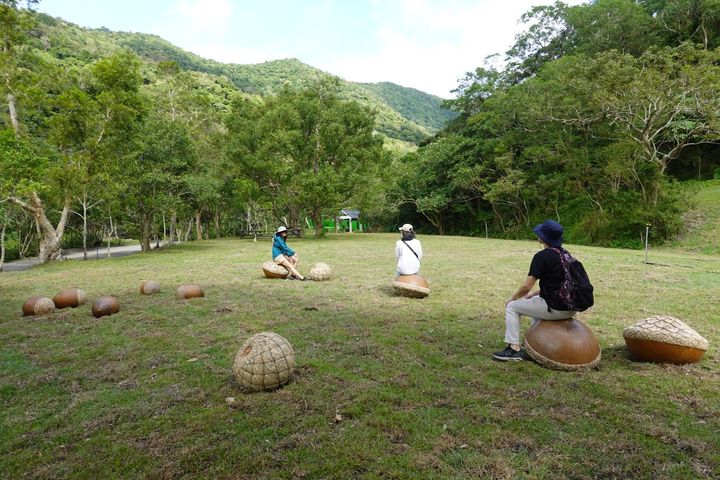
[13, 113]
[198, 225]
[2, 244]
[317, 221]
[145, 235]
[173, 227]
[50, 236]
[189, 229]
[84, 205]
[218, 232]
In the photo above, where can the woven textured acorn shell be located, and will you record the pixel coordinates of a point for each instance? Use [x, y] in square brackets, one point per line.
[149, 287]
[563, 344]
[105, 306]
[413, 286]
[320, 272]
[70, 297]
[265, 361]
[38, 306]
[185, 292]
[273, 270]
[664, 339]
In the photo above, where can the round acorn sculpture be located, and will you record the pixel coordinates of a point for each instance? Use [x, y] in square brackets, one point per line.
[265, 361]
[70, 297]
[664, 339]
[38, 306]
[320, 272]
[186, 292]
[563, 345]
[273, 270]
[149, 287]
[413, 286]
[105, 306]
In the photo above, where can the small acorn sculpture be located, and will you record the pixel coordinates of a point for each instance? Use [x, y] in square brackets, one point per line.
[149, 287]
[70, 297]
[105, 306]
[185, 292]
[38, 306]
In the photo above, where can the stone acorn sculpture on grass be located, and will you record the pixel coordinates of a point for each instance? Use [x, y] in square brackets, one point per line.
[265, 361]
[105, 306]
[273, 270]
[186, 292]
[664, 339]
[149, 287]
[563, 345]
[70, 297]
[38, 306]
[320, 272]
[413, 286]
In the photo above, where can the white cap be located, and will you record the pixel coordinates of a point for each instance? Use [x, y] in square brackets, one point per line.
[281, 229]
[406, 228]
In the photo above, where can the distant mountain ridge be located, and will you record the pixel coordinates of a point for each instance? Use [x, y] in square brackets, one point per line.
[403, 113]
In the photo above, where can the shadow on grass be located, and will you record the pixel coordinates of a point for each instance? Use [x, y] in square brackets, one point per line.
[387, 290]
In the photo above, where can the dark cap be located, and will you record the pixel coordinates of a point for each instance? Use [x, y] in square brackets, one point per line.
[550, 232]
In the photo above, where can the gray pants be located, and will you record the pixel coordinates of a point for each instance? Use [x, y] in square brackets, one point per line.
[535, 308]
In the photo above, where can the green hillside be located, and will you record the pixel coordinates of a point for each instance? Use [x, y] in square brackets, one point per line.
[702, 221]
[420, 107]
[402, 113]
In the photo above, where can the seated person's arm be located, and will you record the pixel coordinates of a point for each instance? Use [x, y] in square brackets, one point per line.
[524, 288]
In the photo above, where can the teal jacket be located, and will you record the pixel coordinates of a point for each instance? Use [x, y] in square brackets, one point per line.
[280, 247]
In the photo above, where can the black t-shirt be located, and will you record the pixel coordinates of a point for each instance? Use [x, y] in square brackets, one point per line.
[547, 267]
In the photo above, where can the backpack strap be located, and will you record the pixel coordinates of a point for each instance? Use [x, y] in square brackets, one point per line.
[411, 249]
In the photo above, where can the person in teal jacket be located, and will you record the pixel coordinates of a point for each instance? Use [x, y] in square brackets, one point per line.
[284, 255]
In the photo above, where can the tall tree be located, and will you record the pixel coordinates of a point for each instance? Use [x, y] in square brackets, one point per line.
[308, 150]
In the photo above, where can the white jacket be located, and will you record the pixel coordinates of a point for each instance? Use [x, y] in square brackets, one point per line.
[408, 263]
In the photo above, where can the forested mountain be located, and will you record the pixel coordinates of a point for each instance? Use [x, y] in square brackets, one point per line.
[420, 107]
[402, 113]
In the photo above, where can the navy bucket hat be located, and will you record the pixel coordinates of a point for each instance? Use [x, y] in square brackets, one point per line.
[550, 232]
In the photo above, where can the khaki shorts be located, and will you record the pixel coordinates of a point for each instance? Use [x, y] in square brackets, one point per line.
[279, 259]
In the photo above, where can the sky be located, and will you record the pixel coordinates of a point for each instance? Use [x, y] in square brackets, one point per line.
[424, 44]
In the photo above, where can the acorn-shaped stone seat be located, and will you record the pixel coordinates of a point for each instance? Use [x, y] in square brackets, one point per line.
[320, 272]
[70, 297]
[664, 339]
[38, 306]
[265, 361]
[273, 270]
[105, 306]
[149, 287]
[185, 292]
[413, 286]
[563, 344]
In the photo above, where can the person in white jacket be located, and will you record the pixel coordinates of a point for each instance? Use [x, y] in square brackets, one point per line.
[408, 252]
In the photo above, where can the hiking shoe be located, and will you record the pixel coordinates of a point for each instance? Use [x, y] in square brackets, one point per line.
[509, 354]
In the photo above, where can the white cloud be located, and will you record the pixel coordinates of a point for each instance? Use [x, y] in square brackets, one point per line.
[434, 44]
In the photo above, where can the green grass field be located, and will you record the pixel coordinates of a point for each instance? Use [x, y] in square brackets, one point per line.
[142, 394]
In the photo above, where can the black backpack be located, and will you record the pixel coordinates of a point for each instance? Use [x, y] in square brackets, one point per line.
[576, 291]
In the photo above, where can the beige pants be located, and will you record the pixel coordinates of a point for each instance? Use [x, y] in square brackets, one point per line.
[533, 307]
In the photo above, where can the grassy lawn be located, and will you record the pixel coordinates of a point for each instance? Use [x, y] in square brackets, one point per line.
[142, 394]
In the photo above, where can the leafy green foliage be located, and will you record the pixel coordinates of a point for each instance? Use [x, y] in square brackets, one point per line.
[307, 150]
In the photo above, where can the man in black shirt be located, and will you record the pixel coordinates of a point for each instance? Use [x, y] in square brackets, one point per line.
[543, 304]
